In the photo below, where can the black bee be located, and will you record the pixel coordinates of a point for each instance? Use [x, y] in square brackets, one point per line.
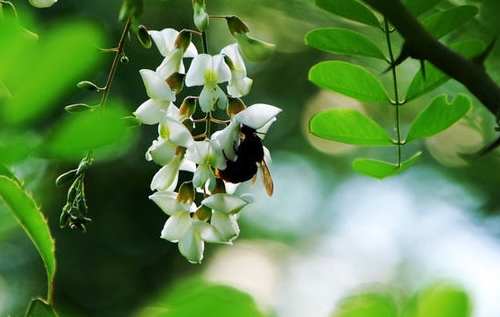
[250, 156]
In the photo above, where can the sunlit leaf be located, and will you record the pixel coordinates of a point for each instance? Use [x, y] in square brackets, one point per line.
[343, 41]
[351, 10]
[40, 308]
[442, 300]
[85, 131]
[439, 116]
[367, 305]
[442, 23]
[24, 209]
[348, 126]
[198, 298]
[433, 76]
[348, 79]
[44, 70]
[380, 169]
[417, 7]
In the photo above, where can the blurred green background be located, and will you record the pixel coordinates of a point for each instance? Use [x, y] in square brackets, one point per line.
[326, 233]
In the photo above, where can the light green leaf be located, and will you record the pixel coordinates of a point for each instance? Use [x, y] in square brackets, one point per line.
[417, 7]
[442, 23]
[380, 169]
[433, 76]
[442, 300]
[85, 131]
[348, 126]
[368, 305]
[343, 41]
[42, 71]
[348, 79]
[439, 116]
[24, 209]
[351, 10]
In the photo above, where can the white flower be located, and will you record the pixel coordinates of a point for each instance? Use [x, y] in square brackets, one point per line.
[165, 42]
[206, 154]
[240, 84]
[225, 213]
[42, 3]
[258, 116]
[180, 227]
[228, 139]
[209, 71]
[161, 97]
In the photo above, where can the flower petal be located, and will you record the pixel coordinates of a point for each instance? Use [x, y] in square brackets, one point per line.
[257, 115]
[167, 201]
[161, 151]
[207, 232]
[151, 111]
[177, 132]
[202, 174]
[225, 203]
[226, 225]
[228, 139]
[192, 246]
[221, 69]
[196, 73]
[164, 40]
[166, 177]
[176, 226]
[239, 86]
[156, 86]
[171, 64]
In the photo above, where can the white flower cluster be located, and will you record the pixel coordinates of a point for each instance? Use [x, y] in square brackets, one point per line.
[201, 210]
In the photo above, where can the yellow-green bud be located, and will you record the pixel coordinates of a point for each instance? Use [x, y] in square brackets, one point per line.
[200, 15]
[176, 82]
[65, 178]
[130, 8]
[186, 193]
[253, 49]
[88, 85]
[144, 37]
[235, 25]
[234, 106]
[183, 40]
[187, 108]
[78, 107]
[203, 213]
[219, 187]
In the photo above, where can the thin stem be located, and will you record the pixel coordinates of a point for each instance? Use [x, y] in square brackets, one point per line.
[397, 102]
[119, 51]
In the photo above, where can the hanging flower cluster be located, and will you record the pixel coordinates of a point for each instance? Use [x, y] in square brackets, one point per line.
[200, 209]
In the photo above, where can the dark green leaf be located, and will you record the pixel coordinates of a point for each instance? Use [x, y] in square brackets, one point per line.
[348, 126]
[380, 169]
[417, 7]
[351, 10]
[85, 131]
[438, 116]
[348, 79]
[41, 72]
[434, 77]
[24, 209]
[343, 41]
[442, 23]
[40, 308]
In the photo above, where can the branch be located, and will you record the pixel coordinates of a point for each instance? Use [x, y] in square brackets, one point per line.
[423, 46]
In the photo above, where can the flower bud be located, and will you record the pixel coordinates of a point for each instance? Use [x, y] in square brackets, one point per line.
[84, 166]
[42, 3]
[234, 106]
[144, 37]
[200, 15]
[88, 85]
[219, 187]
[65, 178]
[187, 108]
[176, 82]
[253, 49]
[78, 107]
[183, 40]
[236, 26]
[130, 8]
[203, 213]
[186, 193]
[189, 124]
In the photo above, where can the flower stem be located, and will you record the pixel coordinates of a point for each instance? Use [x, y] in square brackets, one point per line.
[397, 103]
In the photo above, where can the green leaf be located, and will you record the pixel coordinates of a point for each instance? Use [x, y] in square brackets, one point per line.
[417, 7]
[343, 41]
[41, 72]
[442, 300]
[442, 23]
[40, 308]
[348, 79]
[194, 298]
[368, 305]
[348, 126]
[433, 76]
[85, 131]
[439, 116]
[351, 10]
[380, 169]
[29, 216]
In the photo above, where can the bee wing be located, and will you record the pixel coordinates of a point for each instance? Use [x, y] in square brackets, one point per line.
[266, 178]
